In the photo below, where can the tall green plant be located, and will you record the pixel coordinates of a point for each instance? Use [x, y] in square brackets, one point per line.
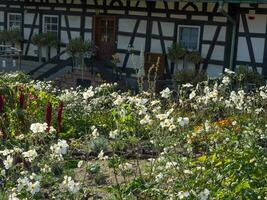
[176, 53]
[196, 58]
[48, 40]
[77, 49]
[11, 36]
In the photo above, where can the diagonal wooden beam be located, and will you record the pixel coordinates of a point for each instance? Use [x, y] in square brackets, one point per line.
[249, 43]
[210, 51]
[31, 33]
[163, 47]
[67, 26]
[131, 42]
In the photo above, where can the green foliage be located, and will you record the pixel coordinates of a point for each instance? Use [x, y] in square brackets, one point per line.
[194, 57]
[176, 52]
[246, 75]
[187, 76]
[77, 46]
[11, 36]
[45, 40]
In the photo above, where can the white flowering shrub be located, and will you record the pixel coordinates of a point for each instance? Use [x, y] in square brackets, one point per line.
[207, 141]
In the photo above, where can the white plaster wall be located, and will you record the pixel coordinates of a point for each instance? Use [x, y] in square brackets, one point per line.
[119, 12]
[139, 43]
[155, 46]
[2, 17]
[127, 25]
[28, 18]
[214, 70]
[142, 26]
[222, 34]
[242, 50]
[134, 61]
[121, 58]
[75, 34]
[258, 25]
[205, 49]
[167, 29]
[199, 17]
[64, 37]
[74, 21]
[258, 48]
[208, 32]
[123, 42]
[155, 28]
[88, 36]
[218, 53]
[89, 22]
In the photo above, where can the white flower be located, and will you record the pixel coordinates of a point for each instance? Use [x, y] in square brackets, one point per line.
[60, 148]
[52, 129]
[182, 195]
[70, 185]
[30, 155]
[166, 93]
[145, 120]
[80, 163]
[95, 133]
[22, 182]
[187, 85]
[89, 93]
[38, 127]
[226, 80]
[204, 195]
[228, 71]
[192, 94]
[13, 195]
[113, 134]
[126, 166]
[183, 121]
[8, 162]
[3, 172]
[101, 156]
[34, 188]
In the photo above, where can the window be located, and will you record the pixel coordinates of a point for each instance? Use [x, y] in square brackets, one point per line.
[50, 24]
[14, 21]
[189, 37]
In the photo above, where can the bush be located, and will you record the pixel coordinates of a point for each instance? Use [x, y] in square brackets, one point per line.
[186, 76]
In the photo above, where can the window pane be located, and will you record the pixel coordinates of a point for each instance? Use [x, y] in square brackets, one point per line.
[54, 20]
[188, 37]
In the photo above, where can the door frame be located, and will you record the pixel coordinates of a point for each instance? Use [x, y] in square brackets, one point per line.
[95, 27]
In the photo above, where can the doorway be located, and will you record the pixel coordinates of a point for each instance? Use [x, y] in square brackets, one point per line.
[104, 36]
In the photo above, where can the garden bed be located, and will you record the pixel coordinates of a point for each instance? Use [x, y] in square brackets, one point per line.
[206, 142]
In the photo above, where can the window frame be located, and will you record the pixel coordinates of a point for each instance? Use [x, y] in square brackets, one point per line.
[43, 26]
[8, 20]
[198, 38]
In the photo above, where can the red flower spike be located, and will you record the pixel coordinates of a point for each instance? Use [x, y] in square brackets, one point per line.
[22, 101]
[1, 104]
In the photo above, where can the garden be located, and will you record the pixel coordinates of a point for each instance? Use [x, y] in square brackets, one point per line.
[201, 141]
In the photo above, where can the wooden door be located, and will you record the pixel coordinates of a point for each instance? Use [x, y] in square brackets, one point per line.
[104, 36]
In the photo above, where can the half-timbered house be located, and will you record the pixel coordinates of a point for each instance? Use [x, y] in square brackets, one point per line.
[227, 33]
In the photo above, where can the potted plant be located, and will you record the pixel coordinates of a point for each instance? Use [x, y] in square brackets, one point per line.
[47, 40]
[78, 49]
[176, 53]
[11, 37]
[195, 58]
[39, 41]
[51, 42]
[248, 78]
